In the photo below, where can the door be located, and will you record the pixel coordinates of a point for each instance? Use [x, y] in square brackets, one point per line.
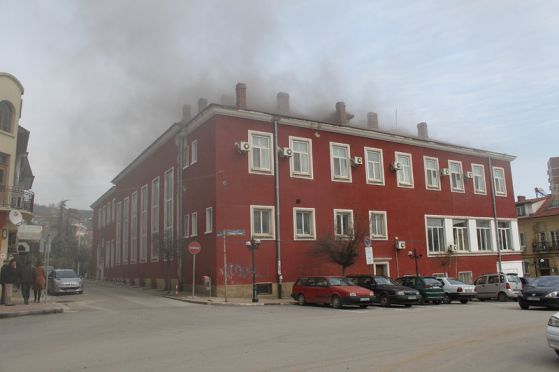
[481, 283]
[381, 269]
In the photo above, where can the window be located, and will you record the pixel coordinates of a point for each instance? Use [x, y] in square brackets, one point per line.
[521, 210]
[108, 213]
[194, 221]
[522, 241]
[404, 175]
[304, 223]
[134, 227]
[339, 155]
[261, 152]
[186, 229]
[107, 254]
[301, 161]
[104, 216]
[435, 235]
[144, 223]
[125, 229]
[478, 172]
[114, 210]
[118, 230]
[483, 231]
[185, 153]
[155, 194]
[113, 251]
[505, 237]
[194, 152]
[374, 169]
[460, 234]
[209, 220]
[465, 277]
[432, 178]
[555, 239]
[99, 218]
[499, 181]
[6, 116]
[378, 228]
[168, 204]
[343, 220]
[456, 176]
[262, 221]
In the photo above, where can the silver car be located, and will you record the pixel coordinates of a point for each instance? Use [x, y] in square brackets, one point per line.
[500, 286]
[64, 281]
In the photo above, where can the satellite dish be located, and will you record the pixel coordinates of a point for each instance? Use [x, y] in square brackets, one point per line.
[15, 217]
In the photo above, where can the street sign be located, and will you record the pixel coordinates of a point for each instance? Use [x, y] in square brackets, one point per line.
[238, 232]
[368, 242]
[369, 255]
[194, 248]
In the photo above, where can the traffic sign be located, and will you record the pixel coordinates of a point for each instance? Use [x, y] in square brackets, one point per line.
[369, 255]
[194, 248]
[367, 242]
[238, 232]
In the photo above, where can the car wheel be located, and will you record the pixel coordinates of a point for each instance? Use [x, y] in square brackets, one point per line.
[363, 306]
[523, 305]
[301, 300]
[407, 305]
[502, 296]
[464, 301]
[385, 301]
[446, 298]
[482, 299]
[557, 352]
[336, 302]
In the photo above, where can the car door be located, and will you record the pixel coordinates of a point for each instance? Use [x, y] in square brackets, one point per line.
[493, 285]
[322, 291]
[480, 284]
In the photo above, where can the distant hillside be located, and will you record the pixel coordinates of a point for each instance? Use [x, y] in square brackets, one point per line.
[47, 214]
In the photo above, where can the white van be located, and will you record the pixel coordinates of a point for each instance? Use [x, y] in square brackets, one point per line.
[500, 286]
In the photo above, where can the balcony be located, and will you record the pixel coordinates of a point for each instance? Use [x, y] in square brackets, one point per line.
[15, 198]
[542, 246]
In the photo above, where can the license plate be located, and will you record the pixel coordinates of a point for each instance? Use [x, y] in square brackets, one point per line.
[533, 299]
[412, 297]
[364, 299]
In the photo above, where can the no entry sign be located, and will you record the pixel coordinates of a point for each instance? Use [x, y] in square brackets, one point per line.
[194, 248]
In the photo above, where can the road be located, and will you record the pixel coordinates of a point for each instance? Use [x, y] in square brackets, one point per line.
[124, 329]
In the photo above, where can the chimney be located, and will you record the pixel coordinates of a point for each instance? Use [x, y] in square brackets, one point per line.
[202, 103]
[422, 130]
[186, 114]
[226, 100]
[521, 198]
[341, 116]
[241, 91]
[282, 106]
[372, 120]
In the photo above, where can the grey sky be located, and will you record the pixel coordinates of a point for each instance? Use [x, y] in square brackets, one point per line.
[104, 78]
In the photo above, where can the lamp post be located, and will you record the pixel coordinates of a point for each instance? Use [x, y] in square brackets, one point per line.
[253, 245]
[413, 254]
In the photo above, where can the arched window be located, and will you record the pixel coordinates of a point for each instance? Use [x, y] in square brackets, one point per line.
[6, 114]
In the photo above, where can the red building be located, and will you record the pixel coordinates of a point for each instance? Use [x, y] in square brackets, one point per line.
[453, 204]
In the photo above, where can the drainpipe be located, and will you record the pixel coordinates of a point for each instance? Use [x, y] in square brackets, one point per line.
[180, 250]
[500, 263]
[277, 208]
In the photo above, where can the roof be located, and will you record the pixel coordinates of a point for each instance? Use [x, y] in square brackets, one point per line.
[549, 207]
[14, 79]
[102, 198]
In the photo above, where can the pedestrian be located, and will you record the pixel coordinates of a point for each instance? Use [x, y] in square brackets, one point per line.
[2, 273]
[39, 282]
[26, 280]
[10, 278]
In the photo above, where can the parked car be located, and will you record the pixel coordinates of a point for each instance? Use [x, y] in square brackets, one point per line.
[386, 291]
[500, 286]
[64, 281]
[552, 332]
[455, 290]
[541, 292]
[429, 287]
[333, 290]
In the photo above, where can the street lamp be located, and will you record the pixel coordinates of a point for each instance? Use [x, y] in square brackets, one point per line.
[253, 245]
[413, 254]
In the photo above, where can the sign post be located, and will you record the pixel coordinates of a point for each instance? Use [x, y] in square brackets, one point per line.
[224, 233]
[369, 253]
[194, 248]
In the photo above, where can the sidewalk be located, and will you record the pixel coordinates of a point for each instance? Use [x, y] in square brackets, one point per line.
[21, 309]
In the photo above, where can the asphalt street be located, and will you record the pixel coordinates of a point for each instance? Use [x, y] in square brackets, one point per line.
[124, 329]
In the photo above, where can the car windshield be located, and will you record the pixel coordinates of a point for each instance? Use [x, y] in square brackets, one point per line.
[66, 274]
[513, 278]
[384, 280]
[339, 281]
[545, 281]
[455, 282]
[432, 281]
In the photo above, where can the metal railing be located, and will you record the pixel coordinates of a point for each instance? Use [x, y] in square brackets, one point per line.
[16, 198]
[544, 246]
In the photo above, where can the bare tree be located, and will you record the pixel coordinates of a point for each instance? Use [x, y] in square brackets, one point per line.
[167, 247]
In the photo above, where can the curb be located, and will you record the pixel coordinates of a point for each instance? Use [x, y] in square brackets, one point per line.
[202, 302]
[31, 312]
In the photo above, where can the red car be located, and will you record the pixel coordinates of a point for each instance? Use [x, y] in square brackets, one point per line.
[334, 290]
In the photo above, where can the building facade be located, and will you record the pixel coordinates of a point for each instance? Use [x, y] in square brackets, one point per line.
[215, 179]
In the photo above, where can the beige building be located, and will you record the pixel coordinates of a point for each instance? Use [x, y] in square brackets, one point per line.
[16, 177]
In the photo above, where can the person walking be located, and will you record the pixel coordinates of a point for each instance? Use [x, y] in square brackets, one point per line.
[10, 278]
[2, 274]
[26, 275]
[39, 282]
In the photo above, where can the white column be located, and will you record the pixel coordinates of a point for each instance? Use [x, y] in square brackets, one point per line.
[515, 235]
[449, 236]
[472, 236]
[493, 236]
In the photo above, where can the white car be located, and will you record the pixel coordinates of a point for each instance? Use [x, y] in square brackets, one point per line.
[552, 332]
[455, 290]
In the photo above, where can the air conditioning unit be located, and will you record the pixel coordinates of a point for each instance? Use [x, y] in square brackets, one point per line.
[395, 166]
[445, 172]
[242, 147]
[452, 248]
[468, 175]
[286, 152]
[400, 245]
[356, 160]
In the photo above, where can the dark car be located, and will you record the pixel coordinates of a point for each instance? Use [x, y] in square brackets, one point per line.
[429, 287]
[333, 290]
[541, 292]
[386, 291]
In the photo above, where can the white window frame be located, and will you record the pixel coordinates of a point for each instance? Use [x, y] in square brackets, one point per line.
[456, 175]
[340, 178]
[488, 232]
[400, 172]
[351, 222]
[113, 250]
[133, 227]
[194, 224]
[263, 236]
[461, 235]
[113, 210]
[371, 179]
[461, 275]
[108, 213]
[481, 176]
[155, 217]
[251, 167]
[506, 240]
[144, 223]
[434, 172]
[125, 229]
[498, 192]
[118, 229]
[104, 216]
[185, 154]
[186, 222]
[194, 152]
[168, 190]
[431, 231]
[312, 235]
[522, 238]
[209, 220]
[293, 172]
[384, 225]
